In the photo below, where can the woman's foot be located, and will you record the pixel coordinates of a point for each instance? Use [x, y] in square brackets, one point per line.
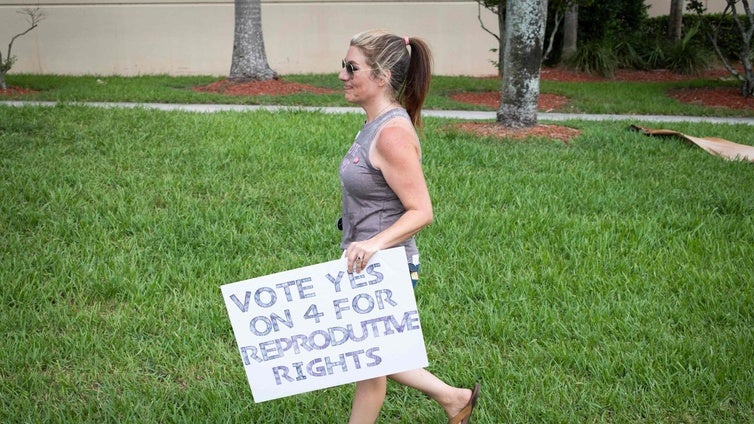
[463, 415]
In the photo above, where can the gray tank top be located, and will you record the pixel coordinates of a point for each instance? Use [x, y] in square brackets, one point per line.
[369, 204]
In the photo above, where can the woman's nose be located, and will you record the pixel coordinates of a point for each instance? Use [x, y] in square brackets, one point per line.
[343, 75]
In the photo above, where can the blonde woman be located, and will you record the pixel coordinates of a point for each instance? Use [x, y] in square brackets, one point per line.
[384, 194]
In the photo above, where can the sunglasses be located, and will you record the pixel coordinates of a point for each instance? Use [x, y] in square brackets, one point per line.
[350, 69]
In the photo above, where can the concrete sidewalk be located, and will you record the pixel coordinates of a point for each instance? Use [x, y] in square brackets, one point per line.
[453, 114]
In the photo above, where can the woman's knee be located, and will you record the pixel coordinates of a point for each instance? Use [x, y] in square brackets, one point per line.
[373, 384]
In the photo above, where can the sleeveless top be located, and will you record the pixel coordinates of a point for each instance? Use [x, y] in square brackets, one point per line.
[369, 204]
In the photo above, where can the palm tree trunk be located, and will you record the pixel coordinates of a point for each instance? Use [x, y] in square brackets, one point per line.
[249, 58]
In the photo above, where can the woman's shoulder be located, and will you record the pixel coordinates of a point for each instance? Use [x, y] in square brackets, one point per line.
[397, 130]
[398, 120]
[397, 140]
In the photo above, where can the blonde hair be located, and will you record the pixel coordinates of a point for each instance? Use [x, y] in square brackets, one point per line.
[410, 71]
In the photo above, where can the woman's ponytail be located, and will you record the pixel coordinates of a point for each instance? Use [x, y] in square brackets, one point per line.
[416, 85]
[409, 61]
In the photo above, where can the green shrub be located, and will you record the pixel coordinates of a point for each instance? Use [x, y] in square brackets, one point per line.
[651, 49]
[729, 39]
[687, 56]
[688, 60]
[595, 58]
[606, 20]
[654, 57]
[629, 54]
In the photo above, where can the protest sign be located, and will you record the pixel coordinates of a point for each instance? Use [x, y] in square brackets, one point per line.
[319, 326]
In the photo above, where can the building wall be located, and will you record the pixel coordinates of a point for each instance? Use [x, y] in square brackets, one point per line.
[195, 37]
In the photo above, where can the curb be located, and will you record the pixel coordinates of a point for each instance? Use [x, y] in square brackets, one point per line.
[452, 114]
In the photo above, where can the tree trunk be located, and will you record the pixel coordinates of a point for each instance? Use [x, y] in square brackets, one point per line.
[745, 28]
[524, 39]
[249, 57]
[4, 68]
[675, 21]
[501, 31]
[570, 31]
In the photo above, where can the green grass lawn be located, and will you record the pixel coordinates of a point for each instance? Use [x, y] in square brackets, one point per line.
[605, 281]
[609, 97]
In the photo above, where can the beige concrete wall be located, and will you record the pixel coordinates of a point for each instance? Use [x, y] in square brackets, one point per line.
[662, 7]
[195, 37]
[185, 38]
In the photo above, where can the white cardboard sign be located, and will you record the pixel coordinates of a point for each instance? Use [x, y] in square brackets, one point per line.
[319, 326]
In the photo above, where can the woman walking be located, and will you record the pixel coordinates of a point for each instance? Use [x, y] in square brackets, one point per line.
[384, 193]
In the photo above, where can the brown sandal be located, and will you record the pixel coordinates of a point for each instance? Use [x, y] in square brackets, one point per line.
[464, 417]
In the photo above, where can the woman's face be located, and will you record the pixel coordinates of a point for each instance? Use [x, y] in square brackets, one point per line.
[361, 86]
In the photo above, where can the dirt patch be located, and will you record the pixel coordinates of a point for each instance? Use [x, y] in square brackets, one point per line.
[491, 129]
[713, 97]
[491, 99]
[11, 91]
[655, 75]
[276, 87]
[729, 98]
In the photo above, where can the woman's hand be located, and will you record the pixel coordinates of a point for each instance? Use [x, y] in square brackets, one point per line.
[359, 253]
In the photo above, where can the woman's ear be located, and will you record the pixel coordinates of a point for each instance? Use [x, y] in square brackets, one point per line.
[385, 78]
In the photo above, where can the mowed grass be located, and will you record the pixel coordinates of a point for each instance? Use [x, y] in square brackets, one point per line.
[605, 281]
[611, 97]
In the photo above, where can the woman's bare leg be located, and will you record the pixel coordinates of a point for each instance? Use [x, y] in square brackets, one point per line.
[367, 400]
[452, 399]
